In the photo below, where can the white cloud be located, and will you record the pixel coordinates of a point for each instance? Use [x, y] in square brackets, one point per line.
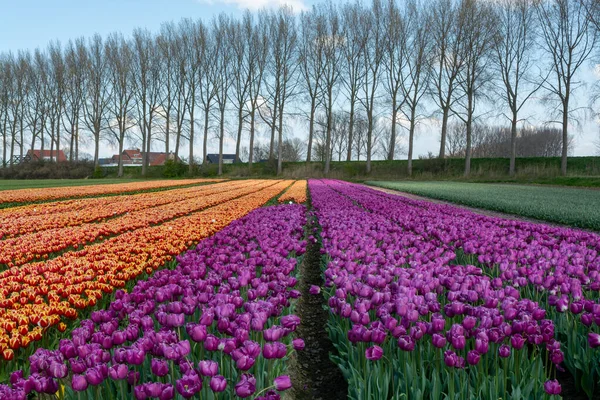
[296, 5]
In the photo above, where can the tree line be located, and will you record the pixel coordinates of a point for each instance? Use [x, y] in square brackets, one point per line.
[358, 76]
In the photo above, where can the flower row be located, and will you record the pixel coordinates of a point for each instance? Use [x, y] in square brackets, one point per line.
[26, 248]
[296, 193]
[36, 296]
[44, 194]
[557, 267]
[61, 214]
[402, 302]
[218, 324]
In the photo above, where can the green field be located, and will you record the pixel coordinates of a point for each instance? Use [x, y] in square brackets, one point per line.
[568, 206]
[47, 183]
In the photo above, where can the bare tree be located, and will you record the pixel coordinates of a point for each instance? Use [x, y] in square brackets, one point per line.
[354, 71]
[223, 78]
[373, 54]
[240, 70]
[258, 47]
[120, 66]
[206, 79]
[396, 59]
[568, 38]
[282, 78]
[416, 74]
[56, 99]
[75, 76]
[447, 31]
[333, 43]
[479, 37]
[310, 57]
[147, 87]
[17, 101]
[514, 47]
[97, 92]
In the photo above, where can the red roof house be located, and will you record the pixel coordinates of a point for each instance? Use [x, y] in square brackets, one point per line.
[46, 155]
[135, 157]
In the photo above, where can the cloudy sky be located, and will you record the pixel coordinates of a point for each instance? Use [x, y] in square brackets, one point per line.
[27, 24]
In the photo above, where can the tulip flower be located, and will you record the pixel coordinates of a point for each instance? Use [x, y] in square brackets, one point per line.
[282, 383]
[374, 353]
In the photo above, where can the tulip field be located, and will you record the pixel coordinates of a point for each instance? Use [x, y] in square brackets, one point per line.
[193, 292]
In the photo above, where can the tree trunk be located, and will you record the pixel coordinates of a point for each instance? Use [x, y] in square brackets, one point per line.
[469, 132]
[392, 148]
[168, 132]
[350, 131]
[280, 149]
[192, 123]
[411, 139]
[251, 151]
[239, 132]
[205, 140]
[76, 141]
[311, 128]
[513, 145]
[445, 116]
[122, 139]
[273, 127]
[221, 137]
[96, 149]
[328, 138]
[565, 138]
[369, 140]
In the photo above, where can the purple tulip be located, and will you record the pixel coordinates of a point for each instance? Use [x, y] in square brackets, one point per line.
[118, 372]
[246, 386]
[282, 383]
[552, 387]
[159, 367]
[473, 357]
[593, 340]
[218, 383]
[208, 368]
[314, 290]
[298, 344]
[189, 385]
[374, 353]
[504, 351]
[79, 383]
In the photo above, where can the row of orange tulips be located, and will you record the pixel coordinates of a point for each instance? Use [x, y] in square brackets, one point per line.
[41, 217]
[36, 296]
[38, 245]
[296, 193]
[44, 194]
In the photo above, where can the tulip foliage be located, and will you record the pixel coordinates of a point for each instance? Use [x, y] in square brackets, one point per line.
[296, 193]
[411, 320]
[219, 325]
[45, 194]
[37, 296]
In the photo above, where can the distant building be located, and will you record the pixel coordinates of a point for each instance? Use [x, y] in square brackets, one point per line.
[227, 159]
[46, 155]
[134, 157]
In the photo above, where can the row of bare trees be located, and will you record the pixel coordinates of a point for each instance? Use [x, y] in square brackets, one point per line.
[359, 76]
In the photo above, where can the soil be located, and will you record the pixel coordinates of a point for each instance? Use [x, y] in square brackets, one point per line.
[314, 375]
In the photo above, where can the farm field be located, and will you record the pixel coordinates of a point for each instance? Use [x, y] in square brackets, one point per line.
[201, 292]
[568, 206]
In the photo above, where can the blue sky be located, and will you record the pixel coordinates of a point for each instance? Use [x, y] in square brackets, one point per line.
[27, 24]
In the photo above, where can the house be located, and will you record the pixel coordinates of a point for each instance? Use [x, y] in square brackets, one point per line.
[134, 157]
[227, 159]
[46, 155]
